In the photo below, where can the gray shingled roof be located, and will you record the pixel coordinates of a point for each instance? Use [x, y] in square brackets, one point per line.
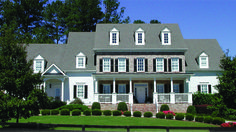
[209, 46]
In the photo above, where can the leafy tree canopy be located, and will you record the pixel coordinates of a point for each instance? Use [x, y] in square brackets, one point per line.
[138, 22]
[155, 21]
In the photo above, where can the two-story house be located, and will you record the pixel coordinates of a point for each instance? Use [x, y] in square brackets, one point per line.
[134, 63]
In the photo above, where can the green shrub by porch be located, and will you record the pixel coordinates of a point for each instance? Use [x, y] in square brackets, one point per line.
[116, 113]
[96, 105]
[160, 115]
[179, 116]
[127, 113]
[199, 119]
[208, 119]
[169, 116]
[191, 109]
[87, 112]
[137, 114]
[74, 106]
[189, 117]
[54, 112]
[45, 112]
[65, 112]
[148, 114]
[96, 112]
[218, 121]
[122, 106]
[76, 112]
[107, 112]
[164, 107]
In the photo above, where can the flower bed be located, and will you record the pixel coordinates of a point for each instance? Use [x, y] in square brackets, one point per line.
[229, 124]
[169, 112]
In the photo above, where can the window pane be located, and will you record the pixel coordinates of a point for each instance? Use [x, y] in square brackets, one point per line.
[140, 38]
[140, 65]
[160, 64]
[204, 61]
[166, 38]
[122, 88]
[106, 88]
[80, 62]
[80, 91]
[38, 65]
[176, 88]
[113, 37]
[204, 88]
[106, 65]
[121, 65]
[174, 64]
[160, 88]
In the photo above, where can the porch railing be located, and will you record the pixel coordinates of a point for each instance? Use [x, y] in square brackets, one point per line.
[163, 98]
[105, 98]
[173, 97]
[181, 97]
[122, 98]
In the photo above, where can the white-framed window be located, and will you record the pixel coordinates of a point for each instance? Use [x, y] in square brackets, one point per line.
[38, 64]
[140, 64]
[122, 88]
[174, 64]
[203, 61]
[166, 37]
[121, 65]
[140, 37]
[176, 88]
[114, 37]
[204, 88]
[80, 91]
[106, 64]
[160, 88]
[160, 65]
[80, 60]
[106, 88]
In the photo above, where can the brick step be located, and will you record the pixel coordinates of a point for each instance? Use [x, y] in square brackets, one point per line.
[144, 108]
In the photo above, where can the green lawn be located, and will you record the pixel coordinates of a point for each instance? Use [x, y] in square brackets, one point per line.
[110, 120]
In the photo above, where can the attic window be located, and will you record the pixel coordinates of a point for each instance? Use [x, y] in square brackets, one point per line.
[114, 37]
[80, 60]
[38, 64]
[166, 37]
[140, 37]
[203, 61]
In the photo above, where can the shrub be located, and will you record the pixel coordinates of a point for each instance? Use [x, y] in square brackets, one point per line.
[191, 110]
[218, 121]
[74, 106]
[77, 101]
[54, 112]
[202, 98]
[96, 112]
[127, 113]
[45, 112]
[199, 118]
[148, 114]
[160, 115]
[65, 112]
[208, 119]
[76, 112]
[55, 104]
[179, 116]
[122, 106]
[116, 113]
[202, 109]
[169, 112]
[107, 113]
[169, 116]
[96, 105]
[137, 114]
[189, 117]
[232, 117]
[164, 107]
[87, 112]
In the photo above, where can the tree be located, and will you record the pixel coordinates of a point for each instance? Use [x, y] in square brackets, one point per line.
[138, 22]
[227, 85]
[155, 21]
[112, 15]
[17, 77]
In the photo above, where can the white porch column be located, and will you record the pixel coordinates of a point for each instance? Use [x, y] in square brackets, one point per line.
[190, 98]
[44, 86]
[62, 90]
[155, 85]
[172, 94]
[114, 92]
[131, 101]
[171, 85]
[130, 86]
[96, 86]
[155, 98]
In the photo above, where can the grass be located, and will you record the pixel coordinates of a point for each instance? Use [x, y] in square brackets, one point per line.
[110, 120]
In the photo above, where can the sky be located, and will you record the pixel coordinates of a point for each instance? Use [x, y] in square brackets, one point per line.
[197, 19]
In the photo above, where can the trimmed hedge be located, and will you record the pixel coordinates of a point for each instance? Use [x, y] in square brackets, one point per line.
[77, 101]
[169, 116]
[160, 115]
[116, 113]
[122, 106]
[96, 105]
[164, 107]
[54, 112]
[74, 106]
[199, 119]
[137, 114]
[127, 113]
[208, 119]
[87, 112]
[191, 109]
[107, 113]
[148, 114]
[76, 112]
[218, 121]
[65, 112]
[179, 116]
[96, 112]
[189, 117]
[45, 112]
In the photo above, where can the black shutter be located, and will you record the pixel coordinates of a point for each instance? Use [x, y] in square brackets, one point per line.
[146, 65]
[166, 87]
[75, 89]
[154, 65]
[180, 65]
[209, 88]
[181, 88]
[117, 88]
[165, 65]
[169, 64]
[135, 65]
[127, 65]
[101, 66]
[116, 65]
[101, 88]
[111, 88]
[112, 63]
[86, 91]
[199, 88]
[127, 88]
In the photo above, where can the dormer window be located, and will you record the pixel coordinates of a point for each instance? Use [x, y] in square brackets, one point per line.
[114, 37]
[166, 37]
[139, 37]
[203, 61]
[80, 60]
[38, 64]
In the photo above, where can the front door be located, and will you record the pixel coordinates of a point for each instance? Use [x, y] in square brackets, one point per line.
[141, 92]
